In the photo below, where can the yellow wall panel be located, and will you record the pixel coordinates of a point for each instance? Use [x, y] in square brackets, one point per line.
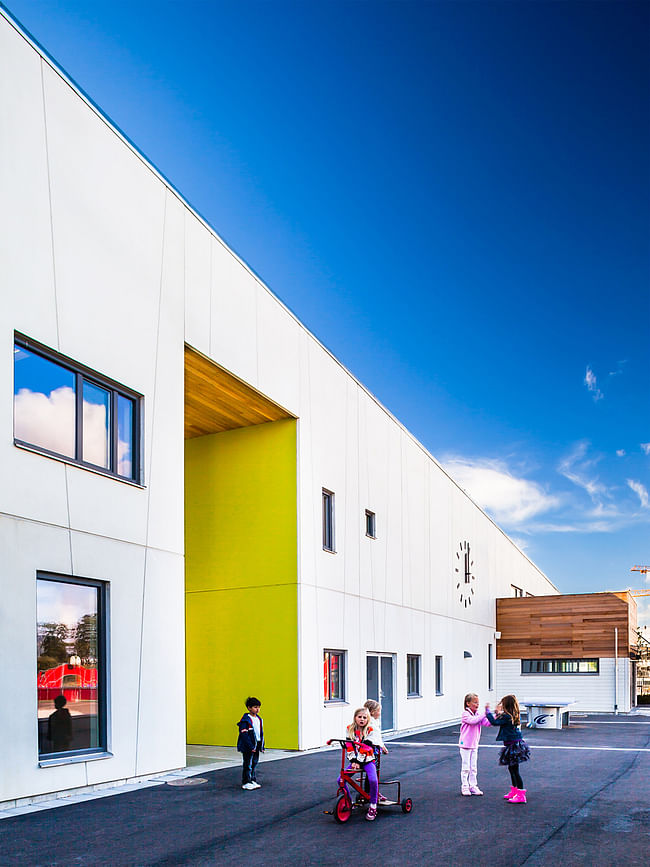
[241, 582]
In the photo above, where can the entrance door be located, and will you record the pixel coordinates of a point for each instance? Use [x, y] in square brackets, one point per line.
[379, 686]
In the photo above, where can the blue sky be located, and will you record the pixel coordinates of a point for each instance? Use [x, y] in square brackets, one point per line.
[454, 197]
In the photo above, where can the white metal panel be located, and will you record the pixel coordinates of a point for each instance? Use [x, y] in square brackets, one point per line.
[107, 216]
[100, 504]
[198, 287]
[277, 346]
[26, 261]
[234, 315]
[161, 735]
[164, 456]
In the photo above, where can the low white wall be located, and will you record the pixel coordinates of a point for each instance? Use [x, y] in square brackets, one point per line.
[593, 693]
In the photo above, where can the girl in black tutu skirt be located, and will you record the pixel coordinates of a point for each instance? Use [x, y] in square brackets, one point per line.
[515, 749]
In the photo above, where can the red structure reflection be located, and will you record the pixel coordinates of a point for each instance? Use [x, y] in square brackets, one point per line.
[74, 681]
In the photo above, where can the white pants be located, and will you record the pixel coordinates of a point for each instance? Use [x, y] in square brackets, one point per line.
[468, 760]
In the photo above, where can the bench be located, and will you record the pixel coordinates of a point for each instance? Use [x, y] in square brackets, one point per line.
[548, 713]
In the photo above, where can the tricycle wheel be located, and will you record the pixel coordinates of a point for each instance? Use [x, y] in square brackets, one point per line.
[407, 805]
[342, 810]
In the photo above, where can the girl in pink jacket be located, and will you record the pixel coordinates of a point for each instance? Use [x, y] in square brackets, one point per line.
[470, 734]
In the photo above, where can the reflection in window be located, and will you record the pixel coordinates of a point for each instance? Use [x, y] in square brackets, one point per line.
[413, 662]
[125, 415]
[560, 666]
[70, 651]
[96, 416]
[68, 411]
[334, 675]
[44, 403]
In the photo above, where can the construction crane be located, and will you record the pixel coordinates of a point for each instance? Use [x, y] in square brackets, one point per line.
[644, 571]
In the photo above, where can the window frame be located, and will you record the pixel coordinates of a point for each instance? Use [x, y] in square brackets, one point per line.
[438, 675]
[555, 665]
[327, 658]
[371, 524]
[83, 374]
[415, 660]
[101, 750]
[329, 542]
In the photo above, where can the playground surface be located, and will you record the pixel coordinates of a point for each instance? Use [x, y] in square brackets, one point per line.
[588, 804]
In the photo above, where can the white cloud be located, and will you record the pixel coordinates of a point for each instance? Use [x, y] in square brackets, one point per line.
[48, 421]
[508, 499]
[646, 448]
[592, 385]
[620, 453]
[577, 468]
[641, 490]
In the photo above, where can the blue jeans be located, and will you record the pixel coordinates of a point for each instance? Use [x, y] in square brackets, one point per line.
[250, 760]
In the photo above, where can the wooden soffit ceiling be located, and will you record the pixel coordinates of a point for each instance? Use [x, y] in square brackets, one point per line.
[216, 401]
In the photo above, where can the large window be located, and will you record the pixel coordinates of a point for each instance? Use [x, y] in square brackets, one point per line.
[439, 683]
[64, 409]
[559, 666]
[71, 666]
[413, 665]
[328, 520]
[334, 675]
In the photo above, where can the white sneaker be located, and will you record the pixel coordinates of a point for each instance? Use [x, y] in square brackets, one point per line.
[255, 784]
[248, 786]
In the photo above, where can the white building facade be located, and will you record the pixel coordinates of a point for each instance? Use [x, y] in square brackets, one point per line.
[108, 276]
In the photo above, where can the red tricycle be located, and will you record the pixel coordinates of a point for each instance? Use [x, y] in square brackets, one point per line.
[352, 779]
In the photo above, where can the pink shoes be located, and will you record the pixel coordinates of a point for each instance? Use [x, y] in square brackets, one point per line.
[474, 790]
[371, 815]
[519, 797]
[511, 793]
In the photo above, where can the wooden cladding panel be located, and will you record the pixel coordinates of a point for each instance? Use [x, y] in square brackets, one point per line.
[216, 401]
[576, 626]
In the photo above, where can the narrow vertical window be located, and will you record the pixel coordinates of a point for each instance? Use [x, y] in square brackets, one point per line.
[71, 669]
[328, 520]
[413, 664]
[334, 675]
[490, 672]
[438, 675]
[370, 524]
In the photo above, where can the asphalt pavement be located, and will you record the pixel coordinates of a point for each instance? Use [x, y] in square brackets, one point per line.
[588, 804]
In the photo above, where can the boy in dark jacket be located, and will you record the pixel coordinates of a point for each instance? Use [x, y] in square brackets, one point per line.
[250, 742]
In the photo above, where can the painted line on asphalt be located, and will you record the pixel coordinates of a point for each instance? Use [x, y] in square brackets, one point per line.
[532, 746]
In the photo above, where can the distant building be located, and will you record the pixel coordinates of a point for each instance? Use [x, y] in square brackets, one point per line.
[578, 646]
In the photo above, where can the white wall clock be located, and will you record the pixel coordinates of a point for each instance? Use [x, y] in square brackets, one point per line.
[464, 574]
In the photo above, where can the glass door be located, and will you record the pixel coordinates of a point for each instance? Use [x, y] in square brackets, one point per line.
[379, 686]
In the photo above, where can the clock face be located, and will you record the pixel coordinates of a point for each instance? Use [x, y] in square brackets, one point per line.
[464, 574]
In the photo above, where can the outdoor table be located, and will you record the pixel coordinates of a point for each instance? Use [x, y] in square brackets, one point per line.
[548, 713]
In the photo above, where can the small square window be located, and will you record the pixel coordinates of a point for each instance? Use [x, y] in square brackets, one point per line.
[370, 524]
[334, 675]
[413, 666]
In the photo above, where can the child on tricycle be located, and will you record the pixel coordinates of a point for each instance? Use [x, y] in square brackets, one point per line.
[360, 750]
